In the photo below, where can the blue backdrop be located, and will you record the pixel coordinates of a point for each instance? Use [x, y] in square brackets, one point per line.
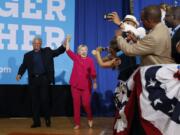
[140, 4]
[93, 30]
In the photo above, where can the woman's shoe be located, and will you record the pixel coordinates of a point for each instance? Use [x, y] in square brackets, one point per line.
[76, 127]
[90, 123]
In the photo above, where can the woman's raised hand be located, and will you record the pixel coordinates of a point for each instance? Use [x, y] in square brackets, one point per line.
[66, 42]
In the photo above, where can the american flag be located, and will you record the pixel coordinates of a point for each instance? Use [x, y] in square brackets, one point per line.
[157, 91]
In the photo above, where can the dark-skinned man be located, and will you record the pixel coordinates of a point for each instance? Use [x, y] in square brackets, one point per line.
[172, 20]
[155, 47]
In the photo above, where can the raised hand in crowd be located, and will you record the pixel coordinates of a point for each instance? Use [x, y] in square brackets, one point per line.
[108, 61]
[114, 18]
[66, 42]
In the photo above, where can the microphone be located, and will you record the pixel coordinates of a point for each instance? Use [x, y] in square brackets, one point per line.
[93, 52]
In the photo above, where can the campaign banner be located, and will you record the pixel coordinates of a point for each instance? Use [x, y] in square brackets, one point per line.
[21, 21]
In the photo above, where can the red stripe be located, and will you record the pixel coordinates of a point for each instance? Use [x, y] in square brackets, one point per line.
[129, 111]
[149, 128]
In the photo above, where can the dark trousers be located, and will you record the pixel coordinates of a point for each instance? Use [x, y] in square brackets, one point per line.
[39, 89]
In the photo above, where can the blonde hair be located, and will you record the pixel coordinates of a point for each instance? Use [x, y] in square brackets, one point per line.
[81, 46]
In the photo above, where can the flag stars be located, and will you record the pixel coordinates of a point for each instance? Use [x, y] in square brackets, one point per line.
[172, 109]
[158, 90]
[151, 83]
[157, 101]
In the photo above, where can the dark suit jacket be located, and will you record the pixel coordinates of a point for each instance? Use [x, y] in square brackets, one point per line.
[175, 39]
[47, 57]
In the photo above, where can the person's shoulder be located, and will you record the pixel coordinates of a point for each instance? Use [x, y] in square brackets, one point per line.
[160, 27]
[46, 48]
[89, 58]
[178, 32]
[159, 30]
[176, 36]
[28, 53]
[149, 36]
[178, 29]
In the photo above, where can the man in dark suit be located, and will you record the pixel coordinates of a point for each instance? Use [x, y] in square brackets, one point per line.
[172, 20]
[40, 66]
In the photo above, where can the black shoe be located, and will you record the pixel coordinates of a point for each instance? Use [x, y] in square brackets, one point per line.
[48, 122]
[35, 125]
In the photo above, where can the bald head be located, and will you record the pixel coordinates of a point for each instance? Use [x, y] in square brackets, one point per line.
[152, 13]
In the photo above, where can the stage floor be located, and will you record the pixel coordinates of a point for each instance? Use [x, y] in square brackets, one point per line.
[60, 126]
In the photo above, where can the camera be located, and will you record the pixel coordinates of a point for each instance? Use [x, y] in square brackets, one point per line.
[124, 34]
[102, 49]
[105, 48]
[108, 16]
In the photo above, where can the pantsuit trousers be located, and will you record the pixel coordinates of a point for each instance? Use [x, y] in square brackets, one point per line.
[79, 96]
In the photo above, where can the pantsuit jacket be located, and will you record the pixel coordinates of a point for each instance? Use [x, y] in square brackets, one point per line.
[83, 71]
